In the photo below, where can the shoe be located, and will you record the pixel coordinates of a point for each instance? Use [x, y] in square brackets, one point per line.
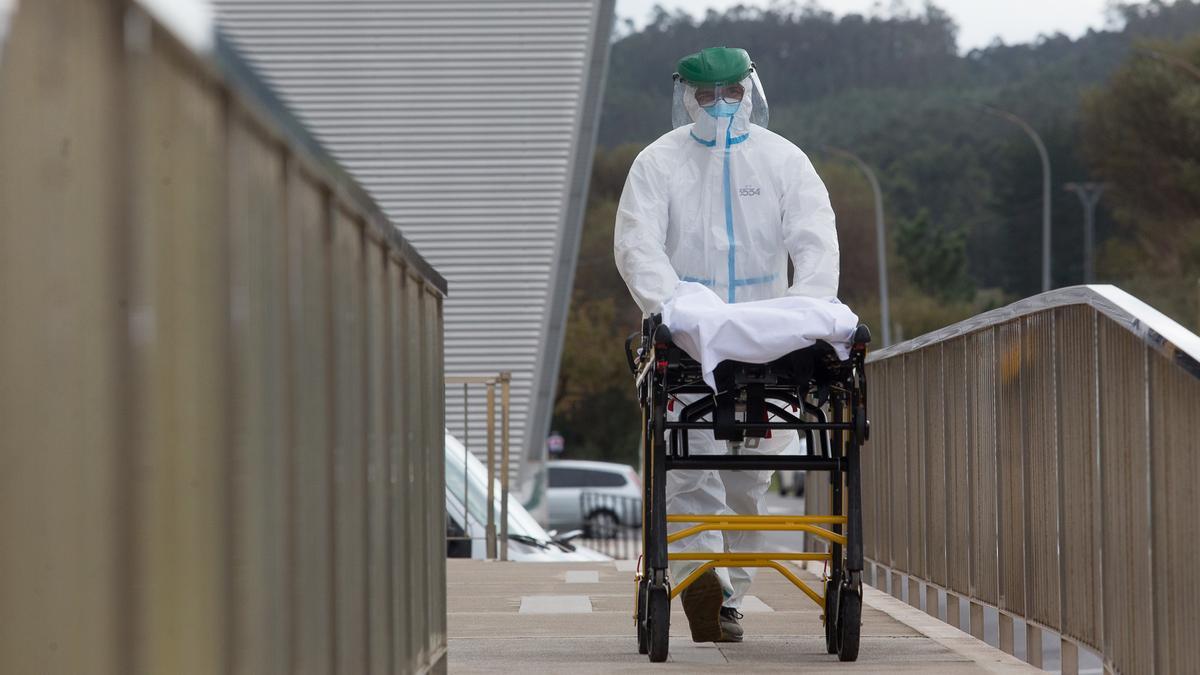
[731, 628]
[702, 605]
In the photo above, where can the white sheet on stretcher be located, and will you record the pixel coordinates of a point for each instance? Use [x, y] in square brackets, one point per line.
[712, 331]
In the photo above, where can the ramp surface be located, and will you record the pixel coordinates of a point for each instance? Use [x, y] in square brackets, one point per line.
[489, 632]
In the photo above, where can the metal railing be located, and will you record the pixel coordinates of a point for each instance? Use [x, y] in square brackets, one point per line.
[221, 409]
[1042, 460]
[502, 380]
[612, 524]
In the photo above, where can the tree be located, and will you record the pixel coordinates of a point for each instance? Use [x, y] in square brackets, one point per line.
[1142, 137]
[854, 205]
[935, 258]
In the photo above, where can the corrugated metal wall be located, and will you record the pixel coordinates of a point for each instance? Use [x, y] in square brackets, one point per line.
[221, 418]
[472, 123]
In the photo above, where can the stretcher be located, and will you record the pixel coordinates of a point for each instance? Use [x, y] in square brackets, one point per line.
[812, 391]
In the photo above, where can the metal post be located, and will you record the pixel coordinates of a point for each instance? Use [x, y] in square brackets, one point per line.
[1007, 639]
[466, 465]
[1070, 657]
[953, 611]
[1041, 148]
[880, 240]
[1033, 645]
[976, 620]
[491, 472]
[505, 379]
[1089, 196]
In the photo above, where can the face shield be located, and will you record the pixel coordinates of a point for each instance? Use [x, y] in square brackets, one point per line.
[690, 101]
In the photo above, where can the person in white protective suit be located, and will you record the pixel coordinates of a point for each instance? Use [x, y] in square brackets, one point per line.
[722, 201]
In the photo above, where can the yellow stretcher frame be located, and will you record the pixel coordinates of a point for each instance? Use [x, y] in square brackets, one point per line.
[736, 523]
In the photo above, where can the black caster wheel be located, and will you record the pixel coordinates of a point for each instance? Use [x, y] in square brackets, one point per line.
[831, 607]
[849, 622]
[643, 639]
[658, 606]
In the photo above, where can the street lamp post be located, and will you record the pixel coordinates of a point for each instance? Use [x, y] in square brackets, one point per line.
[1089, 196]
[880, 239]
[1041, 148]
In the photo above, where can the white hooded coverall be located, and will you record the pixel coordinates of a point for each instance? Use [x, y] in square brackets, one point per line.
[723, 202]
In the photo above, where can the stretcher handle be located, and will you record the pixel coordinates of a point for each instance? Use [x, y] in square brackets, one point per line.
[862, 336]
[629, 351]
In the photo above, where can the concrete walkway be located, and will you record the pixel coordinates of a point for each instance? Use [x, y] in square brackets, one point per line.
[577, 618]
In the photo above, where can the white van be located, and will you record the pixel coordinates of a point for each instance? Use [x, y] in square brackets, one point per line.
[466, 516]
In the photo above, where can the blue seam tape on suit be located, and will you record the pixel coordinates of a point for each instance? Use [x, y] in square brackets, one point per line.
[713, 143]
[729, 222]
[734, 282]
[754, 281]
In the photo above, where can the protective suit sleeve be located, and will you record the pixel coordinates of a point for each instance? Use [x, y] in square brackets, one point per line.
[640, 237]
[809, 230]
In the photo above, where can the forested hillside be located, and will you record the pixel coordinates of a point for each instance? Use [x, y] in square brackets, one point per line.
[962, 188]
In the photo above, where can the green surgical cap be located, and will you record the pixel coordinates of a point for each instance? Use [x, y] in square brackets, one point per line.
[715, 65]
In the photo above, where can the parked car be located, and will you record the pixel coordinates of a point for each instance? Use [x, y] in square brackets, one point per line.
[613, 497]
[466, 518]
[791, 483]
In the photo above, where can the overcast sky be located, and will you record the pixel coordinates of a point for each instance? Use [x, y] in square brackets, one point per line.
[979, 21]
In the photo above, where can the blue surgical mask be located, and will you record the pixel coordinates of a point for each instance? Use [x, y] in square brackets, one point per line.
[722, 109]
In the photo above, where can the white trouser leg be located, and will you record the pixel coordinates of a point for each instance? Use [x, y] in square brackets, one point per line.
[745, 495]
[700, 492]
[709, 492]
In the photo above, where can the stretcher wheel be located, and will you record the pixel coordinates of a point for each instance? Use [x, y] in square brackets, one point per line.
[831, 598]
[642, 638]
[658, 612]
[849, 623]
[862, 429]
